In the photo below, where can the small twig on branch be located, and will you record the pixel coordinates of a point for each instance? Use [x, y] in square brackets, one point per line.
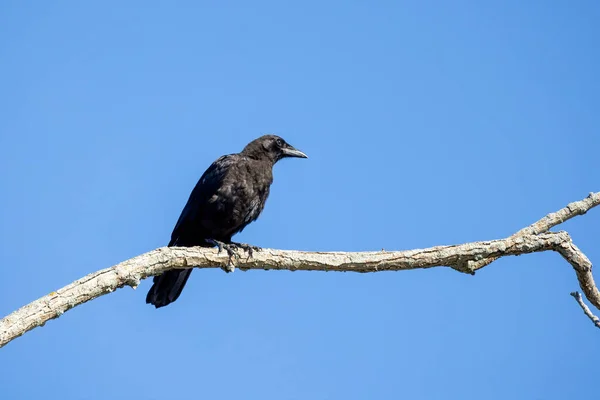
[586, 309]
[464, 257]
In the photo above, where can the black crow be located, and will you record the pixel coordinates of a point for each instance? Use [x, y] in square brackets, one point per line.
[230, 194]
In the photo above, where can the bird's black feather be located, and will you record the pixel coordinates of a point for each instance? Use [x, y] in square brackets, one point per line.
[229, 195]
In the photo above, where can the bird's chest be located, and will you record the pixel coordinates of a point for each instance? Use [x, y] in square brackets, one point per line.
[243, 199]
[250, 198]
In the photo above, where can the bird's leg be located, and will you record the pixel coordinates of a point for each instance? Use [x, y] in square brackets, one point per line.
[248, 248]
[230, 248]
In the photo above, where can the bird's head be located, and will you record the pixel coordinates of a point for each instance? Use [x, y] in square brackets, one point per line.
[272, 148]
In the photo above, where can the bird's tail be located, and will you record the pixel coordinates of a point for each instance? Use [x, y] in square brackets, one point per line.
[167, 287]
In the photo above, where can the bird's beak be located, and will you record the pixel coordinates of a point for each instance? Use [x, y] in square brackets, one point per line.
[292, 152]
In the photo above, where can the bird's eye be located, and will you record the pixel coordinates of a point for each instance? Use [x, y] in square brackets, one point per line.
[279, 142]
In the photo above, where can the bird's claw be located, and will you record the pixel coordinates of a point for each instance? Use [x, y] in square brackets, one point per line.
[248, 248]
[231, 250]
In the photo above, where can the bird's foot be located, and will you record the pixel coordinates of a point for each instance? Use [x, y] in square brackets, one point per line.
[248, 248]
[230, 248]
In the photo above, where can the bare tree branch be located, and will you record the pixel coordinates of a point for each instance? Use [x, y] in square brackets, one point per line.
[463, 257]
[586, 309]
[551, 220]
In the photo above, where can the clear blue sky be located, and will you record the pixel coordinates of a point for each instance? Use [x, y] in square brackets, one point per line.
[426, 123]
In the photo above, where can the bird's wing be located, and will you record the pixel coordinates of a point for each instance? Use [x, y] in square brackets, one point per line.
[207, 186]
